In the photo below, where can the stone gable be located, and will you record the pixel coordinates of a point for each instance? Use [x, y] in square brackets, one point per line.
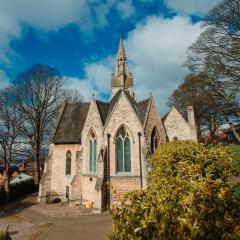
[177, 128]
[153, 120]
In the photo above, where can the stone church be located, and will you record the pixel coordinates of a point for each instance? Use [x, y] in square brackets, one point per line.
[100, 150]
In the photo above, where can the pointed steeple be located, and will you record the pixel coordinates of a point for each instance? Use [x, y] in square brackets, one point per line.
[121, 52]
[121, 78]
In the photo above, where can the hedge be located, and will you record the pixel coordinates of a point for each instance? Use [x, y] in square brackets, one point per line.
[18, 190]
[188, 197]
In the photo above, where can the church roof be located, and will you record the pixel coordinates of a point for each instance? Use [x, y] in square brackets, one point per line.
[173, 108]
[71, 123]
[142, 109]
[73, 117]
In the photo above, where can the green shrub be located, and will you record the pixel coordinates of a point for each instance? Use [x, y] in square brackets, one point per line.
[4, 235]
[236, 158]
[2, 196]
[22, 188]
[188, 197]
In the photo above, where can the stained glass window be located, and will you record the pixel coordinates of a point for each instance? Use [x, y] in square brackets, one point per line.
[68, 163]
[92, 153]
[123, 152]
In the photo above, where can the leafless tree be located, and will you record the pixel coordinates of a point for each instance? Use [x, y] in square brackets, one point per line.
[39, 92]
[9, 132]
[217, 50]
[210, 110]
[72, 96]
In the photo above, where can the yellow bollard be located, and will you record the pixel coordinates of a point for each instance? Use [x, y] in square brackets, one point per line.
[89, 204]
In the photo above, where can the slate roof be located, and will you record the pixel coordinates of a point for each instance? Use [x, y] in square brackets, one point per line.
[103, 108]
[74, 115]
[71, 123]
[166, 115]
[142, 108]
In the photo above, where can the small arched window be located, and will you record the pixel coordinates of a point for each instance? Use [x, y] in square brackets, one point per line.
[123, 151]
[92, 153]
[68, 162]
[154, 140]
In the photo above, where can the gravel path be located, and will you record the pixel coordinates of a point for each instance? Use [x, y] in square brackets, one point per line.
[29, 220]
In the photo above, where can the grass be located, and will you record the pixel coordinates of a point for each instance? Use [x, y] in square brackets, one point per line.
[236, 164]
[236, 158]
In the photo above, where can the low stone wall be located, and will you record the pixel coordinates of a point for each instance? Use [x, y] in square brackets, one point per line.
[120, 185]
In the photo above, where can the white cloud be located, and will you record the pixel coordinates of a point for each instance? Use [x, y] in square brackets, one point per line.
[198, 7]
[84, 86]
[4, 81]
[125, 8]
[156, 51]
[97, 79]
[51, 15]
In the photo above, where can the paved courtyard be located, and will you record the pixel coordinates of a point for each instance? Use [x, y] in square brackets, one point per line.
[30, 220]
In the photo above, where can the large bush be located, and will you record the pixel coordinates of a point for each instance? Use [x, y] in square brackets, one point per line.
[22, 189]
[188, 197]
[17, 190]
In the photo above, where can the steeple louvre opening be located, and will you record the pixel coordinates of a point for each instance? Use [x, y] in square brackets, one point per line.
[121, 78]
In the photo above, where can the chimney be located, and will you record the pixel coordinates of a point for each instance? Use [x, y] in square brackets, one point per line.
[192, 123]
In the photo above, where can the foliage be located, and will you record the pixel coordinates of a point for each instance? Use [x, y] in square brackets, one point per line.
[187, 198]
[236, 158]
[22, 188]
[4, 235]
[18, 190]
[2, 196]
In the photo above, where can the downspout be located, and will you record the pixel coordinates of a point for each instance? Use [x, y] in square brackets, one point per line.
[140, 158]
[108, 156]
[108, 170]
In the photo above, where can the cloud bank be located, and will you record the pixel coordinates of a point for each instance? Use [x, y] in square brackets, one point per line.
[197, 7]
[156, 51]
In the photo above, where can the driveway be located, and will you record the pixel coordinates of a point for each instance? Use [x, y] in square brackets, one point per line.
[30, 220]
[86, 227]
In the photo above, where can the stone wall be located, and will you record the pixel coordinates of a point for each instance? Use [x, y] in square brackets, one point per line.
[60, 180]
[93, 123]
[122, 185]
[154, 120]
[177, 128]
[124, 115]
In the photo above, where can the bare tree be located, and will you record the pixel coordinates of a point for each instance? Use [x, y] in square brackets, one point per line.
[217, 50]
[72, 96]
[39, 92]
[9, 132]
[210, 110]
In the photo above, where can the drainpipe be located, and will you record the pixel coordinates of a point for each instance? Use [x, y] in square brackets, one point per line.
[108, 170]
[140, 158]
[108, 156]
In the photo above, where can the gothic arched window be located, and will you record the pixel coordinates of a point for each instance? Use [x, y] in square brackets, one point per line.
[123, 151]
[68, 162]
[154, 140]
[92, 153]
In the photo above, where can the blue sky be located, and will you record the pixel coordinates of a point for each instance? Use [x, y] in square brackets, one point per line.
[80, 39]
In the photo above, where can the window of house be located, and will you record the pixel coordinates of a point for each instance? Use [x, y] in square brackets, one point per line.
[68, 162]
[123, 151]
[92, 153]
[154, 140]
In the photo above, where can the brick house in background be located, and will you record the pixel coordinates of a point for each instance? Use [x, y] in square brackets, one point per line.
[97, 142]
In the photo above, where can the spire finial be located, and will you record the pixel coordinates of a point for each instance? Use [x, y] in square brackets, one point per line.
[121, 51]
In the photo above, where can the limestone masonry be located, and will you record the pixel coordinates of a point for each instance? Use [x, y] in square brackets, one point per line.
[100, 150]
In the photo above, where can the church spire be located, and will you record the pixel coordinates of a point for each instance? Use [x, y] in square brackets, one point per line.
[121, 78]
[121, 52]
